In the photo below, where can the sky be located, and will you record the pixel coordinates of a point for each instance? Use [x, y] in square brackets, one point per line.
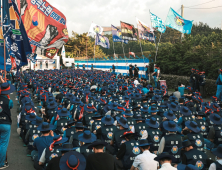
[81, 13]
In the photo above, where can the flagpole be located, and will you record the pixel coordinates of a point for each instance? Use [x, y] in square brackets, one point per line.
[4, 39]
[124, 52]
[94, 48]
[115, 56]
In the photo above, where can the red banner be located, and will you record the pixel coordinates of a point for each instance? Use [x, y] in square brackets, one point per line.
[13, 63]
[45, 26]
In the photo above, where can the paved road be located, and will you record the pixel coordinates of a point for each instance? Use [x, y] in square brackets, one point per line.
[17, 158]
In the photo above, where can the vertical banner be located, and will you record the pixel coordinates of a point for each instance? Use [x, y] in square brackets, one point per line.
[128, 31]
[45, 26]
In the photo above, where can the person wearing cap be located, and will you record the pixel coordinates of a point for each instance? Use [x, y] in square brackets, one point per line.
[130, 71]
[202, 82]
[72, 161]
[153, 110]
[61, 122]
[145, 161]
[113, 68]
[192, 78]
[70, 129]
[122, 127]
[186, 116]
[172, 142]
[167, 116]
[156, 75]
[219, 85]
[204, 127]
[54, 162]
[194, 135]
[153, 133]
[197, 78]
[79, 128]
[136, 71]
[165, 160]
[43, 141]
[99, 160]
[86, 138]
[218, 163]
[96, 122]
[127, 151]
[193, 156]
[89, 113]
[129, 116]
[215, 131]
[140, 126]
[53, 150]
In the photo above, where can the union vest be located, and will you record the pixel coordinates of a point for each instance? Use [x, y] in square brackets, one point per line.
[154, 136]
[197, 140]
[70, 132]
[5, 113]
[52, 154]
[85, 151]
[132, 150]
[173, 143]
[196, 158]
[107, 132]
[61, 122]
[218, 134]
[218, 165]
[96, 125]
[33, 134]
[140, 128]
[204, 129]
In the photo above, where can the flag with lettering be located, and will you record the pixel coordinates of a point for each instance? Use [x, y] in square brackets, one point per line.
[117, 35]
[157, 22]
[175, 21]
[128, 31]
[102, 41]
[45, 26]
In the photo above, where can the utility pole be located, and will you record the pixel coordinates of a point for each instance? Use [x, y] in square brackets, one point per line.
[182, 14]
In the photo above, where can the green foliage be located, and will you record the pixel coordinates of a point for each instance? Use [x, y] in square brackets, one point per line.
[76, 46]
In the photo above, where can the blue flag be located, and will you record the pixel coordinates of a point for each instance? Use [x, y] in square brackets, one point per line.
[8, 59]
[16, 38]
[157, 22]
[175, 21]
[102, 41]
[117, 35]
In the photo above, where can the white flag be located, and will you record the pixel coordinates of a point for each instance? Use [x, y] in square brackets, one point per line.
[94, 29]
[63, 52]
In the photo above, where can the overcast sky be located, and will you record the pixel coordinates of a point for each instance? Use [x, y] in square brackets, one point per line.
[80, 13]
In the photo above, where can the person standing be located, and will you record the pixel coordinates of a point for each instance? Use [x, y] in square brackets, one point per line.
[92, 67]
[192, 78]
[84, 67]
[202, 83]
[46, 64]
[5, 120]
[136, 71]
[156, 75]
[147, 72]
[114, 69]
[40, 64]
[131, 71]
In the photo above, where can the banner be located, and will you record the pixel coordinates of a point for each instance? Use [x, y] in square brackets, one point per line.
[117, 35]
[8, 59]
[175, 21]
[128, 31]
[95, 29]
[157, 22]
[102, 41]
[144, 31]
[45, 26]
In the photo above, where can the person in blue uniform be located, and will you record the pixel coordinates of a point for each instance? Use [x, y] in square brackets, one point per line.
[114, 69]
[156, 75]
[6, 104]
[147, 72]
[202, 82]
[219, 85]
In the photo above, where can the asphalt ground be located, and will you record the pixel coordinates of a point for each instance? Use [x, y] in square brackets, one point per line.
[16, 153]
